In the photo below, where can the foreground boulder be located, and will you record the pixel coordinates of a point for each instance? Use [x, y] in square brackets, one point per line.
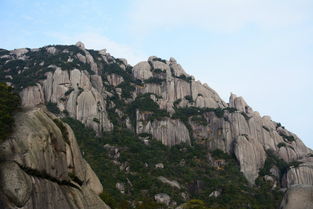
[42, 167]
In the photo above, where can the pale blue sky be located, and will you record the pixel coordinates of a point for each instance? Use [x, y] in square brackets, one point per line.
[259, 49]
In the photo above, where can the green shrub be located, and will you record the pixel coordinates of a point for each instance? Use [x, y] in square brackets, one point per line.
[9, 103]
[127, 89]
[219, 154]
[52, 107]
[200, 120]
[176, 102]
[154, 80]
[266, 128]
[288, 138]
[159, 71]
[96, 120]
[63, 130]
[189, 98]
[69, 91]
[159, 59]
[281, 144]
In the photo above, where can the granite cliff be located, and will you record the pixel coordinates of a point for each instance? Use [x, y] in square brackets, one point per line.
[42, 166]
[154, 98]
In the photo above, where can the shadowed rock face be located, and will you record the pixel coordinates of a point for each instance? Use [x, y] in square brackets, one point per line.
[42, 167]
[100, 86]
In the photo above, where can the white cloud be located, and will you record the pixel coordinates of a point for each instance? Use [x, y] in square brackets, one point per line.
[217, 15]
[93, 40]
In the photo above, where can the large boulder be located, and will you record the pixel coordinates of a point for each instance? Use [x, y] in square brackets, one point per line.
[42, 167]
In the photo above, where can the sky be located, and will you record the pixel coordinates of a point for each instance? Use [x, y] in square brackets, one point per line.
[259, 49]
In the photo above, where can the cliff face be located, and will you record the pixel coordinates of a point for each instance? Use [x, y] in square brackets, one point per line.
[42, 167]
[155, 97]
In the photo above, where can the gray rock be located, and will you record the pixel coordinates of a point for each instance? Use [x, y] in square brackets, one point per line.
[162, 198]
[40, 163]
[142, 71]
[15, 183]
[80, 45]
[215, 193]
[159, 165]
[302, 174]
[172, 183]
[298, 197]
[121, 187]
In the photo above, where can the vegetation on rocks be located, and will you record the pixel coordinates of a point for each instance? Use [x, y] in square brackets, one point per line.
[121, 157]
[9, 103]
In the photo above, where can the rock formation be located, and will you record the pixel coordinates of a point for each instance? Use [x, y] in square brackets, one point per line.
[42, 167]
[155, 98]
[298, 196]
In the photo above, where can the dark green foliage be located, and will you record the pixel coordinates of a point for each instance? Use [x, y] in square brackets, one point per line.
[127, 89]
[145, 135]
[230, 109]
[29, 71]
[245, 115]
[63, 129]
[281, 144]
[9, 103]
[3, 52]
[279, 125]
[219, 112]
[189, 98]
[96, 120]
[155, 80]
[68, 92]
[144, 103]
[294, 164]
[158, 71]
[75, 179]
[159, 59]
[266, 128]
[116, 69]
[186, 112]
[219, 154]
[288, 138]
[52, 107]
[273, 160]
[183, 77]
[200, 120]
[176, 102]
[66, 113]
[236, 192]
[80, 89]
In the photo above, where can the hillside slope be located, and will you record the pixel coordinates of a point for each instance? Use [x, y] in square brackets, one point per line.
[155, 99]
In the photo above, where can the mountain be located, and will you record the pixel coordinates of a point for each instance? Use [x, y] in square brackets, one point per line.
[154, 135]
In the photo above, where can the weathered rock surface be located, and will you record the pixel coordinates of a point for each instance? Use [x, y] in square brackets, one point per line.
[298, 197]
[92, 90]
[169, 131]
[302, 174]
[42, 167]
[172, 183]
[74, 92]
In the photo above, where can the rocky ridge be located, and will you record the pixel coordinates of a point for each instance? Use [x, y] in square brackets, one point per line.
[158, 98]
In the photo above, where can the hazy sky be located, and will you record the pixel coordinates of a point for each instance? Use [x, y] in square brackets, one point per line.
[259, 49]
